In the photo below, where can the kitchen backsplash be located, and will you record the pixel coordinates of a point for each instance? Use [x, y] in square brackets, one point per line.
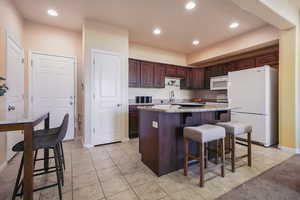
[211, 94]
[163, 93]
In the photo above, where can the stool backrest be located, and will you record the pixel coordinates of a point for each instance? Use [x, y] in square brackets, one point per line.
[63, 128]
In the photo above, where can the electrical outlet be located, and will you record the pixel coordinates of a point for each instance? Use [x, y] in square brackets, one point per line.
[154, 124]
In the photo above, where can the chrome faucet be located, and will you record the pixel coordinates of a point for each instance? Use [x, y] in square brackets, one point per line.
[172, 96]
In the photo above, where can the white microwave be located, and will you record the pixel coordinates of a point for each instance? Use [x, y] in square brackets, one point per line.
[219, 83]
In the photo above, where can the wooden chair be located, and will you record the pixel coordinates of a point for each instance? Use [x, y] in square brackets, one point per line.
[202, 135]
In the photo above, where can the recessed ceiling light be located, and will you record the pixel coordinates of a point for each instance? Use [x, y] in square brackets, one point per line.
[157, 31]
[234, 25]
[190, 5]
[196, 42]
[52, 12]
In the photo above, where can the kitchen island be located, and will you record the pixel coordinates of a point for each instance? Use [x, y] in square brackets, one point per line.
[161, 132]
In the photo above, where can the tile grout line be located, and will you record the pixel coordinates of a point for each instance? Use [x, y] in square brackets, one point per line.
[124, 177]
[98, 178]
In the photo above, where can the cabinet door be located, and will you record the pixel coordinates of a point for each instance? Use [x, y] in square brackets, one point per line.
[230, 67]
[133, 122]
[134, 73]
[186, 83]
[207, 75]
[181, 72]
[171, 71]
[147, 74]
[246, 63]
[159, 75]
[269, 59]
[198, 78]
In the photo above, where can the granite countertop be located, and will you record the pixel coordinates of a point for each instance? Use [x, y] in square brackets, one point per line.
[141, 104]
[180, 109]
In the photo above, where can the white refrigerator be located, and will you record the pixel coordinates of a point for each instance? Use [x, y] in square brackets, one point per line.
[253, 97]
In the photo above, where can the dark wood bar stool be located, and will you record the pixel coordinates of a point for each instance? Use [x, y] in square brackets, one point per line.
[234, 130]
[44, 141]
[202, 135]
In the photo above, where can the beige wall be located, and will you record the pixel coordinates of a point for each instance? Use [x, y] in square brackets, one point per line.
[143, 52]
[107, 38]
[248, 41]
[56, 41]
[11, 22]
[286, 88]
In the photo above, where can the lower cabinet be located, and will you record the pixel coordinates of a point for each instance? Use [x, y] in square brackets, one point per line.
[133, 122]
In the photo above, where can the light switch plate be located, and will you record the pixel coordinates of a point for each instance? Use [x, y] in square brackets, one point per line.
[154, 124]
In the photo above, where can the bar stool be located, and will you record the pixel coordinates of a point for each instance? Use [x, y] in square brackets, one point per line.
[44, 141]
[202, 135]
[233, 130]
[48, 132]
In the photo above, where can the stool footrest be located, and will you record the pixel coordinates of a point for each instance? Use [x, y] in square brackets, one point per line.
[218, 166]
[242, 144]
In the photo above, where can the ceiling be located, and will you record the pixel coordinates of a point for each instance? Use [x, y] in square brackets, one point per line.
[208, 22]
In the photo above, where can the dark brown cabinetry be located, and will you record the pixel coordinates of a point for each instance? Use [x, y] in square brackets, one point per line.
[171, 71]
[246, 63]
[187, 82]
[198, 78]
[181, 72]
[133, 122]
[269, 59]
[134, 73]
[159, 75]
[147, 74]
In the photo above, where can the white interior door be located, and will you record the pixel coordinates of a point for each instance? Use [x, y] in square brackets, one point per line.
[15, 95]
[53, 89]
[107, 98]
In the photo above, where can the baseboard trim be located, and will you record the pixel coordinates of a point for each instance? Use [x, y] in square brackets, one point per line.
[2, 166]
[88, 146]
[290, 150]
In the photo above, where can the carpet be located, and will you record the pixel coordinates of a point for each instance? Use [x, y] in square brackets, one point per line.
[282, 182]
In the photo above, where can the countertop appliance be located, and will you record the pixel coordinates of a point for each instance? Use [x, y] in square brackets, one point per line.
[253, 98]
[219, 83]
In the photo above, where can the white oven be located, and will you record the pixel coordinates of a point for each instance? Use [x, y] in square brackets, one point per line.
[219, 83]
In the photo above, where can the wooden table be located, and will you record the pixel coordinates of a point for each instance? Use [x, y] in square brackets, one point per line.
[27, 125]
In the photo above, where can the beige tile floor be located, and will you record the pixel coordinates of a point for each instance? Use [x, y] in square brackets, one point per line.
[115, 172]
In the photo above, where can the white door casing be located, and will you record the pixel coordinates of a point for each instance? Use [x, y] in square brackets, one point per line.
[15, 95]
[52, 88]
[107, 109]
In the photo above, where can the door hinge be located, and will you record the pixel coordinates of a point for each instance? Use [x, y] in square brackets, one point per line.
[94, 130]
[94, 62]
[31, 63]
[94, 96]
[22, 61]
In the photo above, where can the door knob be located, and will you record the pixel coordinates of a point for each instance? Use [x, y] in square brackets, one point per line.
[11, 108]
[119, 105]
[71, 103]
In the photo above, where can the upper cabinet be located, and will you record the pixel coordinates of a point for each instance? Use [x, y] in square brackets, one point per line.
[246, 63]
[268, 59]
[181, 72]
[159, 75]
[134, 73]
[198, 78]
[171, 71]
[147, 74]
